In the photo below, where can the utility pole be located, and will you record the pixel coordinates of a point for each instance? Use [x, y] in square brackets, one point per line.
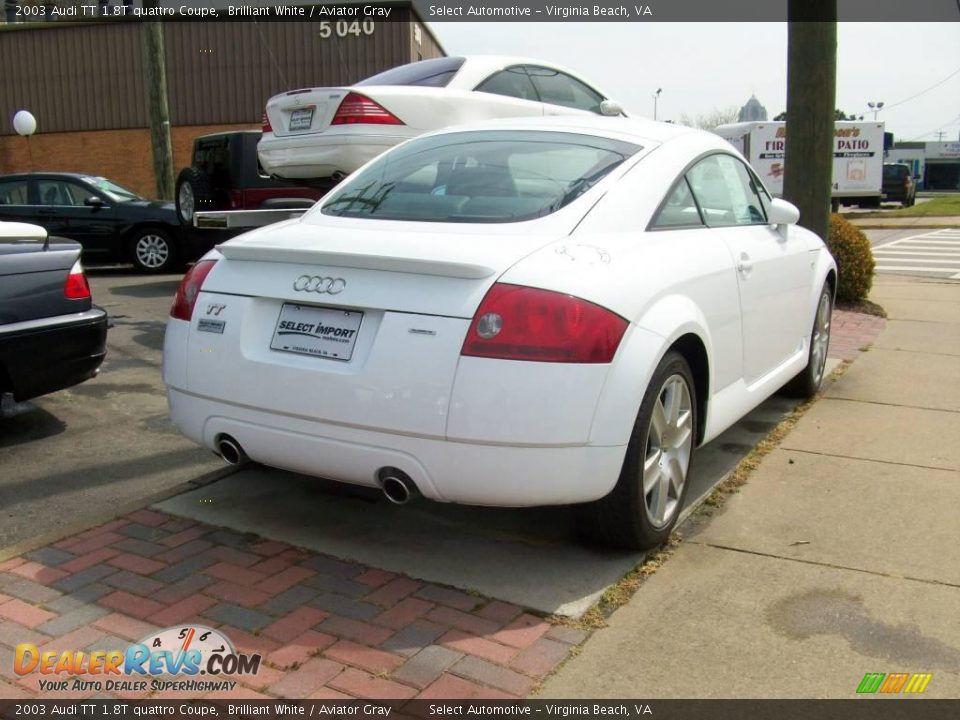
[811, 90]
[156, 79]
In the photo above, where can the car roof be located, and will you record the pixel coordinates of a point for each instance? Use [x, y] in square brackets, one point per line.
[478, 67]
[47, 173]
[638, 130]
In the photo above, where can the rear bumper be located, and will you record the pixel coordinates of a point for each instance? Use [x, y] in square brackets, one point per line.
[50, 354]
[473, 473]
[321, 155]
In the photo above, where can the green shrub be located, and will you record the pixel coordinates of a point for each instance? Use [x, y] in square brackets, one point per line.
[851, 249]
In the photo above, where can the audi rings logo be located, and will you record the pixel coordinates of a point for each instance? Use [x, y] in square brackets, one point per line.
[319, 284]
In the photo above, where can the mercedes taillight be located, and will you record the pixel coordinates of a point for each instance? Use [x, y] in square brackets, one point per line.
[358, 109]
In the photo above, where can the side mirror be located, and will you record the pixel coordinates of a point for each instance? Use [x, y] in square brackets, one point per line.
[782, 212]
[93, 201]
[611, 108]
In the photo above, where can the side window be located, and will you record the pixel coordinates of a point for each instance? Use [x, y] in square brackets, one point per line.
[512, 82]
[679, 209]
[14, 192]
[558, 88]
[726, 192]
[57, 192]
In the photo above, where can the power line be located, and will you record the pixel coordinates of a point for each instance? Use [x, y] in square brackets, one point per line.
[922, 92]
[931, 132]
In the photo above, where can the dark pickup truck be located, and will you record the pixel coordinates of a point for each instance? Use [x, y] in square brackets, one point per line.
[51, 334]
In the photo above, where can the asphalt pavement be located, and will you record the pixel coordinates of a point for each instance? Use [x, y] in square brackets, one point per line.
[107, 444]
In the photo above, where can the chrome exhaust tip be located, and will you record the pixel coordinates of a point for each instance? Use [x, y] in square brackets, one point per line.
[230, 451]
[397, 486]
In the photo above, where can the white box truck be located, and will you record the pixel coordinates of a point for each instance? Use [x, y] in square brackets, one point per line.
[857, 157]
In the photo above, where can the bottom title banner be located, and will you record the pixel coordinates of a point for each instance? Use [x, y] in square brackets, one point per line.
[679, 709]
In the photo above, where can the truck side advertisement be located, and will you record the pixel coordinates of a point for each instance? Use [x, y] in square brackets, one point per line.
[857, 155]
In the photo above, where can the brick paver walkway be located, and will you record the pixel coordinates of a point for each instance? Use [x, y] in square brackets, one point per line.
[852, 331]
[324, 627]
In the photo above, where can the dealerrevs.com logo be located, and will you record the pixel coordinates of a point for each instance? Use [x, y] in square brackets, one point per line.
[175, 652]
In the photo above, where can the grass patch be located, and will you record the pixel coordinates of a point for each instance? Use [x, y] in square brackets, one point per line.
[946, 205]
[862, 306]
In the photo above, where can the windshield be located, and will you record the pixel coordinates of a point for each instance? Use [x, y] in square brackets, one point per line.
[436, 72]
[479, 177]
[112, 190]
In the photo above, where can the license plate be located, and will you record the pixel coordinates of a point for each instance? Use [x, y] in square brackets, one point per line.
[301, 119]
[322, 332]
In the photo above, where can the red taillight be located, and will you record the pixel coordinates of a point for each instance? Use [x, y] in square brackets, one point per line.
[76, 287]
[522, 323]
[189, 290]
[265, 122]
[236, 199]
[356, 108]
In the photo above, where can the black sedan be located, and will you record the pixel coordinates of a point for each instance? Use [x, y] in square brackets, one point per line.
[52, 336]
[109, 221]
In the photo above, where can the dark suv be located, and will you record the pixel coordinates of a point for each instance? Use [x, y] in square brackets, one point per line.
[898, 184]
[226, 175]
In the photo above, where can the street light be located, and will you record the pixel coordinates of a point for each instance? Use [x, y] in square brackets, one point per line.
[876, 107]
[655, 96]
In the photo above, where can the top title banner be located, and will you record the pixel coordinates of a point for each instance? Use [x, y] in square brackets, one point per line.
[524, 11]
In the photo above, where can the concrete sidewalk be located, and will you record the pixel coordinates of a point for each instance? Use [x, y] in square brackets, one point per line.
[841, 556]
[921, 221]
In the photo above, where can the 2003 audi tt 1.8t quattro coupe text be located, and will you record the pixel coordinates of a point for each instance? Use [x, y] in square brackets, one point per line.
[517, 313]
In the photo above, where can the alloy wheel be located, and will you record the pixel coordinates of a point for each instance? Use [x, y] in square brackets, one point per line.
[668, 449]
[187, 202]
[821, 338]
[152, 251]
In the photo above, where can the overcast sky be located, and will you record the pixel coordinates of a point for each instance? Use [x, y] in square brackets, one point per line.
[702, 67]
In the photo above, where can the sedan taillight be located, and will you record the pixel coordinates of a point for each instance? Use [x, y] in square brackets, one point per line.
[76, 287]
[189, 290]
[521, 323]
[265, 123]
[359, 109]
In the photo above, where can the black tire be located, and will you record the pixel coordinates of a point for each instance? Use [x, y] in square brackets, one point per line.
[152, 250]
[808, 382]
[195, 185]
[622, 518]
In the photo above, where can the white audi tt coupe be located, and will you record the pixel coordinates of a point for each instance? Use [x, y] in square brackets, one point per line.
[523, 312]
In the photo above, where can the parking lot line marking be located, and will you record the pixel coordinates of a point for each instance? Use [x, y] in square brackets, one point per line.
[914, 268]
[953, 261]
[932, 253]
[904, 239]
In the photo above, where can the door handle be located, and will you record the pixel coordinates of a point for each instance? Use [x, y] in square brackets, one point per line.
[744, 266]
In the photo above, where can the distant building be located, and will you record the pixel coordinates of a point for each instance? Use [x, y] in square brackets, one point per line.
[936, 165]
[753, 111]
[84, 81]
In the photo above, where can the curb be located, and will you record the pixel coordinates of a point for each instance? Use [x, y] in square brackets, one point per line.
[79, 526]
[867, 225]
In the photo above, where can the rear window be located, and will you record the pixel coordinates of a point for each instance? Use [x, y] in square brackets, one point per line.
[479, 177]
[894, 172]
[426, 73]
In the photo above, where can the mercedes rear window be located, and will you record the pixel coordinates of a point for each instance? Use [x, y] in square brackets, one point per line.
[429, 73]
[496, 176]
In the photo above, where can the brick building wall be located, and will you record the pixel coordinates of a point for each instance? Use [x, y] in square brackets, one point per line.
[124, 156]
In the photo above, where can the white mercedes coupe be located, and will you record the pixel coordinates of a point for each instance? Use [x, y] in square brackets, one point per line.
[521, 312]
[323, 134]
